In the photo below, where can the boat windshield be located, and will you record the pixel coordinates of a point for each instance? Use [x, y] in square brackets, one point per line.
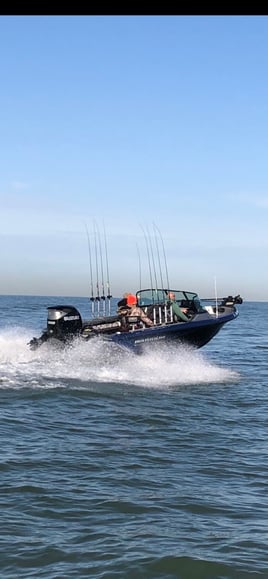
[183, 298]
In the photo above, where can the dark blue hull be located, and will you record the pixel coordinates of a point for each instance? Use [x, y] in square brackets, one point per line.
[196, 333]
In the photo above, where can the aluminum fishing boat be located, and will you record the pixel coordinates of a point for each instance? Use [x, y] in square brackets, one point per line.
[159, 315]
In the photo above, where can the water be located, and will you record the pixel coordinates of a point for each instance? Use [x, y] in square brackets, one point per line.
[133, 467]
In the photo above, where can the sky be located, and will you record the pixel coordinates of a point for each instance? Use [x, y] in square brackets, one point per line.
[134, 150]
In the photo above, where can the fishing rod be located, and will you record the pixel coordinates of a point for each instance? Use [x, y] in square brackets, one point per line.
[90, 271]
[164, 255]
[97, 297]
[149, 261]
[153, 261]
[109, 295]
[158, 256]
[139, 258]
[102, 297]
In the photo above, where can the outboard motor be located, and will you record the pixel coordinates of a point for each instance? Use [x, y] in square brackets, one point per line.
[63, 322]
[231, 301]
[238, 299]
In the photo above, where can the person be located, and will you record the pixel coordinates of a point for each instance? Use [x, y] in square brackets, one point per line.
[177, 311]
[128, 307]
[123, 302]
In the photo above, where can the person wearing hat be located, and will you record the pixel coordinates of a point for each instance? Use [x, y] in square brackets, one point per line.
[128, 306]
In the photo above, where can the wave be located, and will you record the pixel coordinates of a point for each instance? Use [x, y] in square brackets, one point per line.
[166, 366]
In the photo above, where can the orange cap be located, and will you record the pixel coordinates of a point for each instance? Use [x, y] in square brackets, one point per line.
[131, 300]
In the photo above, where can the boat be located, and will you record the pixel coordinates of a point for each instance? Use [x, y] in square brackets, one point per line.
[149, 317]
[153, 316]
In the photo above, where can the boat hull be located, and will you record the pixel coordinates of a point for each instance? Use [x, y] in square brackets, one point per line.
[195, 333]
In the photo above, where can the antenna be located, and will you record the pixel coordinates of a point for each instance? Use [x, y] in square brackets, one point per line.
[216, 297]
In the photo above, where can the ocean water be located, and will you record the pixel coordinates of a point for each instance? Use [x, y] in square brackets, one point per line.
[116, 466]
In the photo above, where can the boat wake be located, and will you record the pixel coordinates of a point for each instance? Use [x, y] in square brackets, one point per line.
[79, 366]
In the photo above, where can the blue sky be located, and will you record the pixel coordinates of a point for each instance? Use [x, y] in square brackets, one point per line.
[130, 121]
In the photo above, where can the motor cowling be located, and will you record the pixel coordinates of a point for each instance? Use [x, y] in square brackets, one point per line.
[231, 301]
[63, 322]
